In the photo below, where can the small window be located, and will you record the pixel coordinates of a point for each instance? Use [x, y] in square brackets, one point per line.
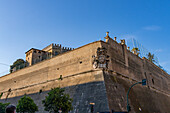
[34, 51]
[39, 51]
[153, 81]
[56, 53]
[93, 56]
[40, 91]
[80, 62]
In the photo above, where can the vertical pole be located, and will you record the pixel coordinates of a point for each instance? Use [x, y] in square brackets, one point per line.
[128, 106]
[92, 108]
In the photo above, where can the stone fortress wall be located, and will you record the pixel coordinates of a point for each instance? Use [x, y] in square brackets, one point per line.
[66, 64]
[125, 69]
[34, 56]
[124, 62]
[88, 80]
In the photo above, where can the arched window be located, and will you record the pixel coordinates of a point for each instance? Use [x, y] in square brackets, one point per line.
[56, 53]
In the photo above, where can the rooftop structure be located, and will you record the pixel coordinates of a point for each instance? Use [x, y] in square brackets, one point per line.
[34, 56]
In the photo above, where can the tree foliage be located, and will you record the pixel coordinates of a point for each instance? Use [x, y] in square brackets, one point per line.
[26, 104]
[150, 57]
[57, 100]
[18, 62]
[3, 107]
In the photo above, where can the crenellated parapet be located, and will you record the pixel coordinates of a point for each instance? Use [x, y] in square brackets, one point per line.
[99, 72]
[34, 56]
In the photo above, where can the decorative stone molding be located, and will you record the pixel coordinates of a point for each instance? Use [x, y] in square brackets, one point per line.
[115, 38]
[128, 48]
[107, 36]
[101, 60]
[122, 41]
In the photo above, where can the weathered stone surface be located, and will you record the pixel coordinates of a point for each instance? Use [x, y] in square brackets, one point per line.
[142, 98]
[106, 87]
[82, 94]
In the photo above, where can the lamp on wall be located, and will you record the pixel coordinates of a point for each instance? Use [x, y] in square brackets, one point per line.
[143, 82]
[92, 107]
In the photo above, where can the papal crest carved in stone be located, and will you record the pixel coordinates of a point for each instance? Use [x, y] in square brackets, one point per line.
[101, 60]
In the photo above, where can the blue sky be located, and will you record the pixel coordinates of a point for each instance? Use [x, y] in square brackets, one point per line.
[37, 23]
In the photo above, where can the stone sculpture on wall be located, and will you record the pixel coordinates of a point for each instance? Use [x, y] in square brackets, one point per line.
[101, 60]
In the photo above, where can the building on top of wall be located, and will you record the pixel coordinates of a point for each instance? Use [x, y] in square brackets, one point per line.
[34, 56]
[100, 72]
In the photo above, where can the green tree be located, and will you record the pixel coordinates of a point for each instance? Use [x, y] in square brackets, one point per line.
[3, 106]
[57, 100]
[19, 64]
[26, 104]
[19, 61]
[150, 57]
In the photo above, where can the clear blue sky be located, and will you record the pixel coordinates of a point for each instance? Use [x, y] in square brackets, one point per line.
[37, 23]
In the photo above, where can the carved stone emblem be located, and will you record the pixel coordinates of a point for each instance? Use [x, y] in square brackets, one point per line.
[101, 60]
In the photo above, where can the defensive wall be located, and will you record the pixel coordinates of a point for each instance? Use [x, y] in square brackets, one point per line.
[87, 81]
[125, 69]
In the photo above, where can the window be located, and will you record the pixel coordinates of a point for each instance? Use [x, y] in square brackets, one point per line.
[56, 53]
[153, 81]
[40, 91]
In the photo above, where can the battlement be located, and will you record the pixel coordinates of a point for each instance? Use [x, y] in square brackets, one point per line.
[108, 67]
[56, 46]
[34, 56]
